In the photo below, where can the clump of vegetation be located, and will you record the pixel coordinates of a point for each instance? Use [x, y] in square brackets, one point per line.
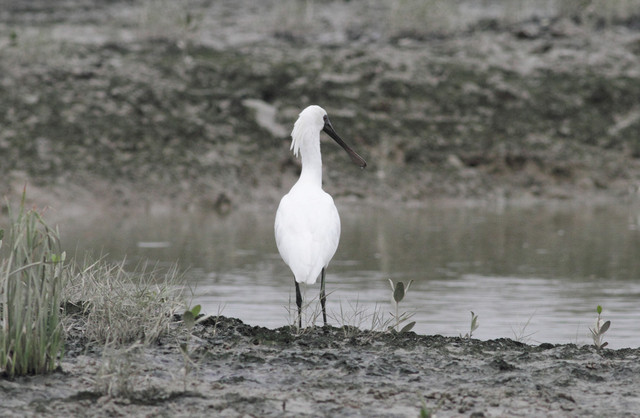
[122, 312]
[399, 292]
[122, 307]
[42, 298]
[599, 329]
[32, 277]
[473, 326]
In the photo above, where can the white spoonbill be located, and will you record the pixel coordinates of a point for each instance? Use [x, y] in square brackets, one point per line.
[307, 225]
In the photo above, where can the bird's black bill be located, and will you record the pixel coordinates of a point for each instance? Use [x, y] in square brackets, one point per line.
[354, 155]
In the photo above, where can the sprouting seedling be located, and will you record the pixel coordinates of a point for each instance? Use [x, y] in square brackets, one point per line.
[474, 325]
[424, 411]
[190, 319]
[399, 292]
[55, 258]
[598, 331]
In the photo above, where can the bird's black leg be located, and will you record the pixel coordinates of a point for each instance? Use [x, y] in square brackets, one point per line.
[299, 303]
[323, 298]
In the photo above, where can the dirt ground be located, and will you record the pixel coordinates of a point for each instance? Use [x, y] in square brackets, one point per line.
[240, 370]
[151, 103]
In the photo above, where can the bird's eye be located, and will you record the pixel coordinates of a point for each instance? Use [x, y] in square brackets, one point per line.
[325, 118]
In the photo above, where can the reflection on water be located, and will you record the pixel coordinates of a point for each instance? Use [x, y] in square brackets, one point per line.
[534, 271]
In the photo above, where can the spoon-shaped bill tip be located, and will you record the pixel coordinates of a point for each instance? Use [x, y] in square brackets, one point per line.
[354, 155]
[356, 158]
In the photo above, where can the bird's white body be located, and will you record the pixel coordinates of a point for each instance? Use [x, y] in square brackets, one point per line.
[307, 225]
[307, 231]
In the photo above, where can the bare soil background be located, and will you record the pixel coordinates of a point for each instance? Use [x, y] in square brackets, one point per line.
[190, 104]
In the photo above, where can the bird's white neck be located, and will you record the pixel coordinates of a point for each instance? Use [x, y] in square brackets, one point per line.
[311, 161]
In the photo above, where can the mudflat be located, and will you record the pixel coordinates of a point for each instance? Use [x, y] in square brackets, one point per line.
[241, 370]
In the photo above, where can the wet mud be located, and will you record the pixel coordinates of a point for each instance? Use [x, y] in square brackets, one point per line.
[241, 370]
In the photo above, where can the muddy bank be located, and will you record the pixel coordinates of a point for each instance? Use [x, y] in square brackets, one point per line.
[254, 371]
[142, 103]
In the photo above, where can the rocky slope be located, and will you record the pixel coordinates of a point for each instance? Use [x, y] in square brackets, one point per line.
[150, 102]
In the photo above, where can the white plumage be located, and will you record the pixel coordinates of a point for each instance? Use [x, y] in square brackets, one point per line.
[307, 231]
[307, 224]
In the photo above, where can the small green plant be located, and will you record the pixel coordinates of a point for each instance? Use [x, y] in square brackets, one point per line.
[474, 326]
[13, 38]
[32, 276]
[399, 292]
[599, 329]
[190, 319]
[425, 412]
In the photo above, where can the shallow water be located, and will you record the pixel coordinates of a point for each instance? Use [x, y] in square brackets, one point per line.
[534, 273]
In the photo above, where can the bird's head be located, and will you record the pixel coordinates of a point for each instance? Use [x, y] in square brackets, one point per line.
[311, 121]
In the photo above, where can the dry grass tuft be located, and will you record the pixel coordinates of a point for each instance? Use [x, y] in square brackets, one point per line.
[123, 307]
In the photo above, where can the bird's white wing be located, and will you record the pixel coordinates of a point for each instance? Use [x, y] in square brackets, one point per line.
[307, 230]
[285, 229]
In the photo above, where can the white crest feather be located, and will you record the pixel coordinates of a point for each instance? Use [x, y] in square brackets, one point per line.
[310, 121]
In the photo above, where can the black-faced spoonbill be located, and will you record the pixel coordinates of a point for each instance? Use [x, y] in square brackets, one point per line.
[307, 223]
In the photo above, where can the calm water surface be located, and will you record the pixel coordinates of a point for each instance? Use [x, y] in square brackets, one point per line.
[534, 272]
